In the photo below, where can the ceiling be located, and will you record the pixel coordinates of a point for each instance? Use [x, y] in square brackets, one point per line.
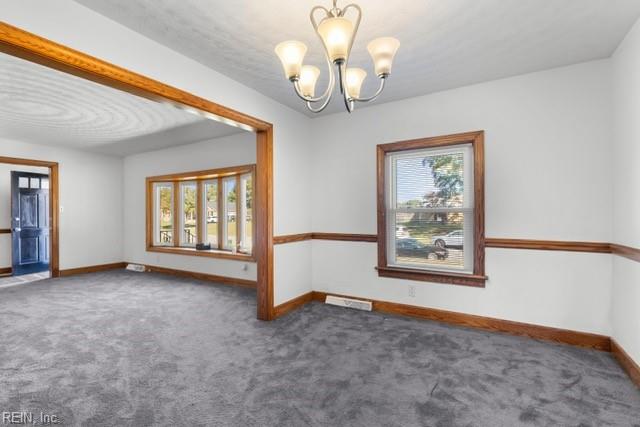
[444, 43]
[44, 106]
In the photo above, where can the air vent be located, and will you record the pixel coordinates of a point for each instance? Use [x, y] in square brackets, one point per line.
[349, 303]
[136, 267]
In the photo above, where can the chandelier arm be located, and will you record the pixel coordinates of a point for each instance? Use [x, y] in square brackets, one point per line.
[330, 86]
[383, 79]
[342, 71]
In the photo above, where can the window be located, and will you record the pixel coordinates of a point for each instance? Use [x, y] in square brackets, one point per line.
[163, 213]
[188, 213]
[431, 209]
[210, 207]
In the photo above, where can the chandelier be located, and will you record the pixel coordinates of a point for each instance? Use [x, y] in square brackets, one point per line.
[336, 33]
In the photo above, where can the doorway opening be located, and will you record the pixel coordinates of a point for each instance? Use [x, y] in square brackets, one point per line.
[29, 220]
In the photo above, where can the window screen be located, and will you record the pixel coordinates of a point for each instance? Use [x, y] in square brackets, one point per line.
[210, 195]
[430, 208]
[188, 213]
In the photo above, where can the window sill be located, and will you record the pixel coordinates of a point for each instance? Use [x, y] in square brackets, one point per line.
[211, 253]
[473, 280]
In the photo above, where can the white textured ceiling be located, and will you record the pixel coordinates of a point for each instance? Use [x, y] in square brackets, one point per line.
[45, 106]
[444, 43]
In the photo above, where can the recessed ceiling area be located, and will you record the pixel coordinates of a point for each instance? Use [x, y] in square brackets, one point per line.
[43, 106]
[444, 43]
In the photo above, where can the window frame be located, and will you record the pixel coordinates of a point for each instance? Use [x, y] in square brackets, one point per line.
[472, 277]
[200, 178]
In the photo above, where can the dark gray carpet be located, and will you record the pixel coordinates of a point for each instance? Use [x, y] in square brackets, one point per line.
[122, 348]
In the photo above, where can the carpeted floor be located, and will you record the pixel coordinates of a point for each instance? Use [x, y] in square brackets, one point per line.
[121, 348]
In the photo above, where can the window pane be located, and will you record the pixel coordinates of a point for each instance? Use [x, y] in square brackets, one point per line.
[430, 181]
[164, 214]
[211, 207]
[229, 194]
[430, 240]
[247, 219]
[23, 182]
[34, 183]
[189, 214]
[45, 183]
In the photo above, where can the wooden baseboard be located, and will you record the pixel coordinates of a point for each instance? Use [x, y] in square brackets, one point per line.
[203, 276]
[292, 304]
[6, 271]
[627, 363]
[92, 269]
[580, 339]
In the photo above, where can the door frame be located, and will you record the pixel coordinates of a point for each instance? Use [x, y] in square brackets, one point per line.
[54, 233]
[17, 42]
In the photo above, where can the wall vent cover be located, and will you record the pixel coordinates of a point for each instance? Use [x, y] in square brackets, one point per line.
[349, 303]
[136, 267]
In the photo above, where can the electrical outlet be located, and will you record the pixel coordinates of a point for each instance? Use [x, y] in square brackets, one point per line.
[412, 291]
[245, 267]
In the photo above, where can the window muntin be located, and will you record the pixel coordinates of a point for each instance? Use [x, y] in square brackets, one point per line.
[188, 213]
[163, 213]
[430, 209]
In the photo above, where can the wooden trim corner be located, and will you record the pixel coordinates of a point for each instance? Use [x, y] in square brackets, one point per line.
[627, 363]
[225, 280]
[293, 304]
[626, 252]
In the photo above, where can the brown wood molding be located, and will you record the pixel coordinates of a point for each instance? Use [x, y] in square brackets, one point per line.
[291, 238]
[206, 253]
[31, 47]
[433, 276]
[564, 336]
[548, 245]
[627, 363]
[626, 251]
[92, 269]
[6, 271]
[293, 304]
[345, 237]
[5, 231]
[263, 250]
[225, 280]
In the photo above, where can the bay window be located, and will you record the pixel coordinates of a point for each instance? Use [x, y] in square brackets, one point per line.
[205, 213]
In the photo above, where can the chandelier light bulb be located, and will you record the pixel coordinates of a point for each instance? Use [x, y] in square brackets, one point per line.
[355, 77]
[336, 34]
[382, 51]
[291, 54]
[308, 78]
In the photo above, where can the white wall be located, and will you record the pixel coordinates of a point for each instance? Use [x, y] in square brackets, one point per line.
[91, 197]
[232, 150]
[73, 25]
[548, 176]
[5, 206]
[626, 175]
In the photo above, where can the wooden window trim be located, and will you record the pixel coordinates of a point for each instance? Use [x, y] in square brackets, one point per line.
[478, 278]
[198, 177]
